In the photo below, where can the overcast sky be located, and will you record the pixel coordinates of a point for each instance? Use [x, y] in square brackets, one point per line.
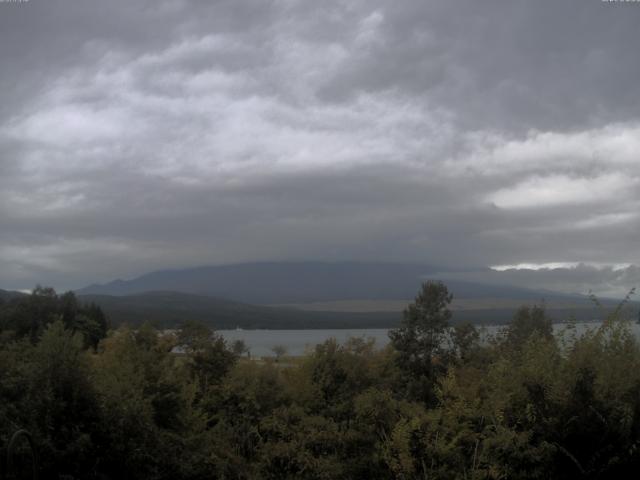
[139, 135]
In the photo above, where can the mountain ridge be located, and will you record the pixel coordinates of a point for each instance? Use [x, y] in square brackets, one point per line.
[10, 294]
[170, 309]
[302, 282]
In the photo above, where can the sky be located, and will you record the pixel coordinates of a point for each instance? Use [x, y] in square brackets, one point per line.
[152, 134]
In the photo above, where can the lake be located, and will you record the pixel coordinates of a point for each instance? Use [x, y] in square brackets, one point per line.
[297, 342]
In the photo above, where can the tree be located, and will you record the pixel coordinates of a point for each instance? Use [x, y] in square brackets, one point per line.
[465, 338]
[210, 359]
[62, 402]
[239, 347]
[527, 321]
[193, 336]
[280, 351]
[419, 341]
[92, 323]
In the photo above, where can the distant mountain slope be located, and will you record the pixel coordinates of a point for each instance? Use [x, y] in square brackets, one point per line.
[299, 282]
[310, 295]
[169, 309]
[8, 294]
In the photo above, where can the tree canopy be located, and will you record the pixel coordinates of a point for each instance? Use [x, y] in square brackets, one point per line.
[438, 402]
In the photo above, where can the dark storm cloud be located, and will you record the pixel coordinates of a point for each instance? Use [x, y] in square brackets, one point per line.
[543, 65]
[150, 134]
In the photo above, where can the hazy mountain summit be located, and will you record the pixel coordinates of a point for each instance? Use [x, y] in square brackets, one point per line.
[298, 282]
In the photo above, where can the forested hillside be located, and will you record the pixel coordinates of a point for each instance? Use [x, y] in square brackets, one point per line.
[169, 309]
[8, 295]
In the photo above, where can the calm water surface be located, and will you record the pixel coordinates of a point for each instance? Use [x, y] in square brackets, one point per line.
[297, 342]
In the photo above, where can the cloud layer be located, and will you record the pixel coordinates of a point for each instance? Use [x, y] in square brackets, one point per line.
[144, 135]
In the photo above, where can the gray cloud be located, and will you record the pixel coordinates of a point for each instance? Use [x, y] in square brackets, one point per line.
[143, 135]
[607, 281]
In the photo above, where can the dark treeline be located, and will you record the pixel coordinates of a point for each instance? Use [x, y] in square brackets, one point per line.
[437, 403]
[168, 309]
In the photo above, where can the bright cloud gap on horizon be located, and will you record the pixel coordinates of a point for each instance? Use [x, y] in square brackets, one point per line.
[461, 135]
[557, 265]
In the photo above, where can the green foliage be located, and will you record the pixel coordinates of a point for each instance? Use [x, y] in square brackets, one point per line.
[28, 316]
[47, 389]
[466, 340]
[420, 340]
[209, 359]
[438, 403]
[526, 322]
